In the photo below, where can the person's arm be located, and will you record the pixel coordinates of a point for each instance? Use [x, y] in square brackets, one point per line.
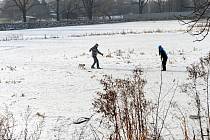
[161, 55]
[100, 52]
[90, 49]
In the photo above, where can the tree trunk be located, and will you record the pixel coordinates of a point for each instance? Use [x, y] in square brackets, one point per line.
[24, 15]
[88, 5]
[57, 10]
[68, 15]
[140, 6]
[90, 14]
[160, 6]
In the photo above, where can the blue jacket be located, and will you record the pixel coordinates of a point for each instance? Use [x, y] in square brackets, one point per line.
[162, 53]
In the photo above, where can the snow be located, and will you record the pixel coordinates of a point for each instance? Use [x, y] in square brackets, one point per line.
[39, 67]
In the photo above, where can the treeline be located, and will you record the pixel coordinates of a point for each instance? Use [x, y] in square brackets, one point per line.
[19, 10]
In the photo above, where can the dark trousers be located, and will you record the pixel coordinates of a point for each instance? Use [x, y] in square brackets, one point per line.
[164, 64]
[95, 62]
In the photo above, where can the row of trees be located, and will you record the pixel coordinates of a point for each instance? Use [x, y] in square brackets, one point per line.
[66, 9]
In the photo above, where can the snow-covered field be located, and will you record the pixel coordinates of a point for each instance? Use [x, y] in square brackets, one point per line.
[39, 68]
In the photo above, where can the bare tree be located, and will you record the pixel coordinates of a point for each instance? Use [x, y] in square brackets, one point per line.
[20, 5]
[38, 9]
[199, 23]
[159, 3]
[69, 8]
[24, 6]
[43, 11]
[9, 10]
[88, 5]
[57, 10]
[104, 7]
[177, 5]
[141, 4]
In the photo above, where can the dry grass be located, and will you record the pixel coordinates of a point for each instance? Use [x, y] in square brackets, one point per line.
[123, 105]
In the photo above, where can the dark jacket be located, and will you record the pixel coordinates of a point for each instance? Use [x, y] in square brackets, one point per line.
[162, 53]
[95, 51]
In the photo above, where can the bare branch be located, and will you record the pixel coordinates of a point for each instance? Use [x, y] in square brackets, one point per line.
[195, 25]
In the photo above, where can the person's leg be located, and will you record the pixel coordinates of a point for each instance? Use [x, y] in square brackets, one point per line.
[164, 64]
[95, 61]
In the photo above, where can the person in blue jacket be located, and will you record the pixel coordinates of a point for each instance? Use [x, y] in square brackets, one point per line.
[95, 51]
[164, 57]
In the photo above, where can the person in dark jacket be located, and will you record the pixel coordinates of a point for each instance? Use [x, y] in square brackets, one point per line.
[164, 57]
[95, 51]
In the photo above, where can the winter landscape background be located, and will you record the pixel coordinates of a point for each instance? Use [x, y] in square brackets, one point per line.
[39, 69]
